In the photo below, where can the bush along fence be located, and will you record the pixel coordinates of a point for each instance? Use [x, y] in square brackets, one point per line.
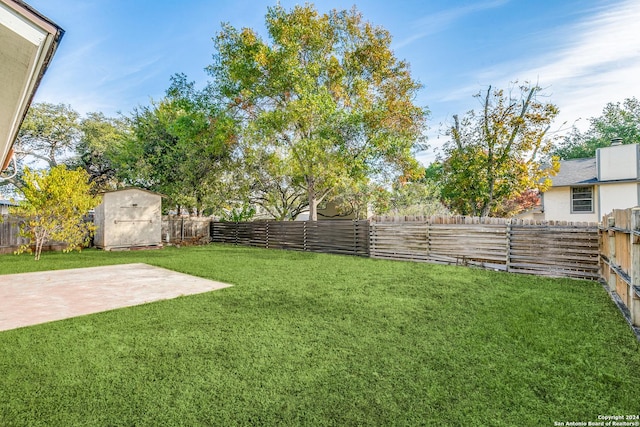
[620, 260]
[10, 239]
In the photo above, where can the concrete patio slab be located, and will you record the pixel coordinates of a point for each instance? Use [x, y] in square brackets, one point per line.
[31, 298]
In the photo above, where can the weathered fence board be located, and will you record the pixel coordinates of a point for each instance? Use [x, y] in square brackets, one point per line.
[620, 258]
[339, 237]
[10, 239]
[440, 242]
[552, 250]
[284, 235]
[399, 241]
[185, 229]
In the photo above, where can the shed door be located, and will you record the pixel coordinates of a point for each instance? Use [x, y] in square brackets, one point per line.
[134, 225]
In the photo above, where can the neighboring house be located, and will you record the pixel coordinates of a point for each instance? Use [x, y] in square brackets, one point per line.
[328, 210]
[4, 207]
[587, 189]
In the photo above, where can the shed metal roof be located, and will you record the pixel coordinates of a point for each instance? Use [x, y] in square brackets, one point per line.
[134, 189]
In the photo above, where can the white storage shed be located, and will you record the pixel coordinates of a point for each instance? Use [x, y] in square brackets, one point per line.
[128, 218]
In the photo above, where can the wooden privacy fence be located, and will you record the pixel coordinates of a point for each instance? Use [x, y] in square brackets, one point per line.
[185, 229]
[620, 258]
[554, 250]
[514, 246]
[336, 237]
[174, 230]
[10, 239]
[551, 249]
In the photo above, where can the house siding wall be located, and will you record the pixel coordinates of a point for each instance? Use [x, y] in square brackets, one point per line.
[607, 197]
[618, 162]
[330, 211]
[557, 206]
[618, 196]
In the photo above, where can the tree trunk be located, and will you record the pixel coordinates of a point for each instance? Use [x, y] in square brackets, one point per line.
[313, 199]
[40, 239]
[313, 207]
[486, 209]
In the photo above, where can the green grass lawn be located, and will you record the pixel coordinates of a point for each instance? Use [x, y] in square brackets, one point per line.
[313, 339]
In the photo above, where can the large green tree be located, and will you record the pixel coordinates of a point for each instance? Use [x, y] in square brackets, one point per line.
[326, 93]
[100, 141]
[616, 121]
[267, 181]
[181, 147]
[54, 134]
[493, 155]
[49, 133]
[420, 197]
[48, 136]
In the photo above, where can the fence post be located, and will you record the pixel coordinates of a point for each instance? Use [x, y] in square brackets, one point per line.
[634, 273]
[508, 260]
[266, 235]
[304, 236]
[611, 234]
[428, 225]
[372, 237]
[355, 228]
[236, 228]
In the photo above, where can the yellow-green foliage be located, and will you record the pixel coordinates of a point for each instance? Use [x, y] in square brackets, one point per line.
[494, 156]
[53, 206]
[327, 94]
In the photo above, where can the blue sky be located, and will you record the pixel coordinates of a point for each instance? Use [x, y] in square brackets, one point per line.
[118, 54]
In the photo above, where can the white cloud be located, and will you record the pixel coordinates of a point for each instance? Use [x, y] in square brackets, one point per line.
[90, 80]
[592, 63]
[586, 66]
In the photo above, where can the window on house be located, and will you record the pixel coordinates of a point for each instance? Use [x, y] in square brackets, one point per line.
[581, 199]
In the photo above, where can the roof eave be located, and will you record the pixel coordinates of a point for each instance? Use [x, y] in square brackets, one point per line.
[41, 61]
